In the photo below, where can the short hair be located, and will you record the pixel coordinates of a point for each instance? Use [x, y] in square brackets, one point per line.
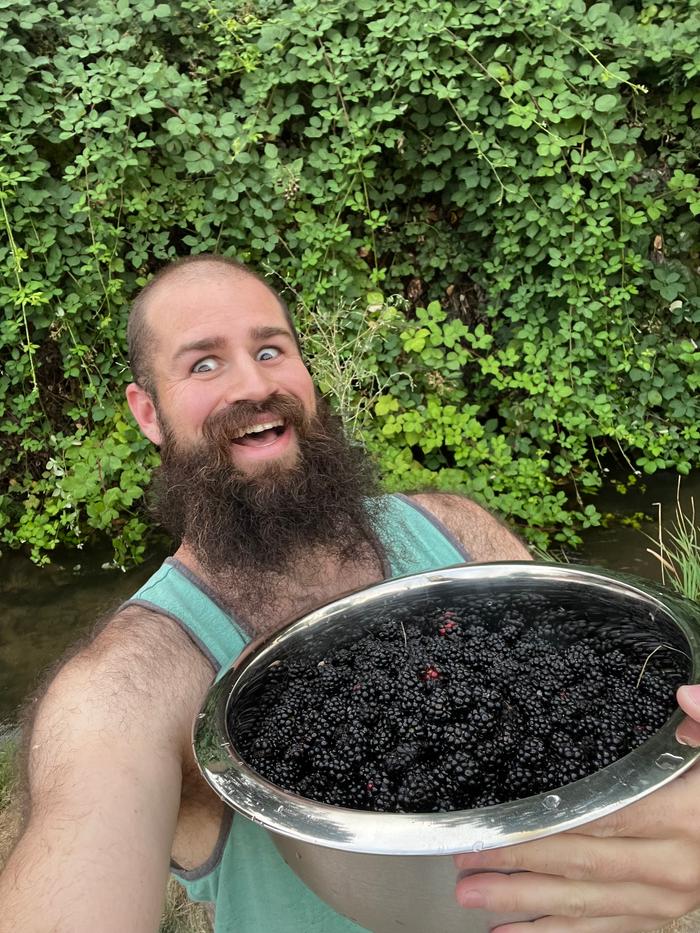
[139, 335]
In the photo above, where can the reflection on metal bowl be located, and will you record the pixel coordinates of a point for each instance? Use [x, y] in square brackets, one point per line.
[394, 872]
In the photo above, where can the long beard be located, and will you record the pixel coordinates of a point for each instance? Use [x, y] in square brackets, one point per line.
[249, 526]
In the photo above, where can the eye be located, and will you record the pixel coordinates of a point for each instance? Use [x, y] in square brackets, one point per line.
[267, 353]
[207, 365]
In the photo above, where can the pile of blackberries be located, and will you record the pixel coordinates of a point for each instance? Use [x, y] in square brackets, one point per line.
[464, 705]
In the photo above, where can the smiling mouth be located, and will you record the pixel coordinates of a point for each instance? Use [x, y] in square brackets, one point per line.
[260, 435]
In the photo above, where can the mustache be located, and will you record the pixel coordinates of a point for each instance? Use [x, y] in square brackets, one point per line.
[221, 427]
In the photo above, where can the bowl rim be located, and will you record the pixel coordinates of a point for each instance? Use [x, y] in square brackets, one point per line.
[647, 768]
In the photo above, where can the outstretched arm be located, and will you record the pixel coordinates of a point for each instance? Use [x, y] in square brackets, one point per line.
[104, 773]
[480, 533]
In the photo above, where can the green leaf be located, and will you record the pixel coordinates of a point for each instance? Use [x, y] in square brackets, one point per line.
[605, 103]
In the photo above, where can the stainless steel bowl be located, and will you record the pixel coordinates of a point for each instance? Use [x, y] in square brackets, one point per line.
[394, 872]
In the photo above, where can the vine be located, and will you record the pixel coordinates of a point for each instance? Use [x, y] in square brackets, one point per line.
[485, 215]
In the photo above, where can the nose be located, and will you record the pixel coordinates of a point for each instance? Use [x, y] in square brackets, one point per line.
[248, 381]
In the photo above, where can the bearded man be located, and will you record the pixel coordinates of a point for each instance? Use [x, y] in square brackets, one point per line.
[275, 513]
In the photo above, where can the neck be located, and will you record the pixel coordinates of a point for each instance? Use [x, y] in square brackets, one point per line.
[265, 601]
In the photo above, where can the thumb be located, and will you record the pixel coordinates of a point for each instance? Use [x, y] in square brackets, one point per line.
[688, 696]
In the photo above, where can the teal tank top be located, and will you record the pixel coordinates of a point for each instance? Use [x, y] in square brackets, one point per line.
[248, 881]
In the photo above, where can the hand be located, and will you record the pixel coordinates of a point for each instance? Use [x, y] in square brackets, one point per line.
[631, 871]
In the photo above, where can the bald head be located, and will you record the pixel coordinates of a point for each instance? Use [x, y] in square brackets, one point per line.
[140, 335]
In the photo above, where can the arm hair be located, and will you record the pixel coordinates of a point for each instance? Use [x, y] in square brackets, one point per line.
[103, 769]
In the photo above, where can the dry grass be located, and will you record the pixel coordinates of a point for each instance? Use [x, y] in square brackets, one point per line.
[9, 828]
[9, 806]
[688, 924]
[180, 915]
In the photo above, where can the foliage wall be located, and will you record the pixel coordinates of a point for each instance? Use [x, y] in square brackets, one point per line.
[523, 173]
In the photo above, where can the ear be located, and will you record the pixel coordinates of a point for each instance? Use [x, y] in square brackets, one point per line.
[144, 410]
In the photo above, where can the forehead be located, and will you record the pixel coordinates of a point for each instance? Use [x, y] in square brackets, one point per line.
[210, 300]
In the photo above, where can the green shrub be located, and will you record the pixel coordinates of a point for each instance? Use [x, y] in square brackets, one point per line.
[525, 173]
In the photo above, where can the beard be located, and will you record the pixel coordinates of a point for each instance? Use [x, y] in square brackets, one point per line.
[247, 526]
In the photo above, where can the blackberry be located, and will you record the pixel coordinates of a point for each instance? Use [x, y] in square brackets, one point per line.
[437, 706]
[532, 754]
[518, 781]
[465, 705]
[401, 758]
[382, 739]
[417, 791]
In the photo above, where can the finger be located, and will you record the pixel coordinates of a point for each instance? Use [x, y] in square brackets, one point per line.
[688, 697]
[585, 925]
[540, 895]
[688, 733]
[673, 864]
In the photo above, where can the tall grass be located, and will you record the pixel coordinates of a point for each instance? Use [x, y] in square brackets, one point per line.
[678, 549]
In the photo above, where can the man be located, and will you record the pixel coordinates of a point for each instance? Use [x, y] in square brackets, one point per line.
[271, 506]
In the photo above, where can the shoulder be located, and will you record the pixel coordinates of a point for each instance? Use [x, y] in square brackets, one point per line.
[484, 536]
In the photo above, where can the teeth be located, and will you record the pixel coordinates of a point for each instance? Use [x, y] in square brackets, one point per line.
[259, 428]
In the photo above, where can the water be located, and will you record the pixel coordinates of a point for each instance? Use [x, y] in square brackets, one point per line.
[623, 545]
[44, 610]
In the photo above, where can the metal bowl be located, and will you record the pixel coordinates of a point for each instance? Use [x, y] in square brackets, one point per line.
[394, 872]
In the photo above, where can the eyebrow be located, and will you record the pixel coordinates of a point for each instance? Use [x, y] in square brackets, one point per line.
[207, 344]
[265, 333]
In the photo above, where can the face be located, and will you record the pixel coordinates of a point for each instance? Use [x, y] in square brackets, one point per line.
[221, 338]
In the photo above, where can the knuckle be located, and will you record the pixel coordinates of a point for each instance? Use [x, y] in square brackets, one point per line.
[514, 857]
[585, 864]
[682, 872]
[576, 905]
[614, 824]
[681, 903]
[685, 879]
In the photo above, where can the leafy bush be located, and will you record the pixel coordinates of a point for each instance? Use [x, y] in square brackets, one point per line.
[524, 173]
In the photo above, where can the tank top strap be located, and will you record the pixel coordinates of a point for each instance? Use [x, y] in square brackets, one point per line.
[413, 538]
[176, 592]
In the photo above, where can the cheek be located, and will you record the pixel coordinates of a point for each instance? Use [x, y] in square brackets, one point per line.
[309, 399]
[301, 386]
[188, 412]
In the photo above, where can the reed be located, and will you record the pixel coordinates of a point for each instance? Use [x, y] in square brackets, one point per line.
[677, 549]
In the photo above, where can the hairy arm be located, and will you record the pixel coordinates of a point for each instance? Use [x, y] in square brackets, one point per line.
[479, 532]
[104, 774]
